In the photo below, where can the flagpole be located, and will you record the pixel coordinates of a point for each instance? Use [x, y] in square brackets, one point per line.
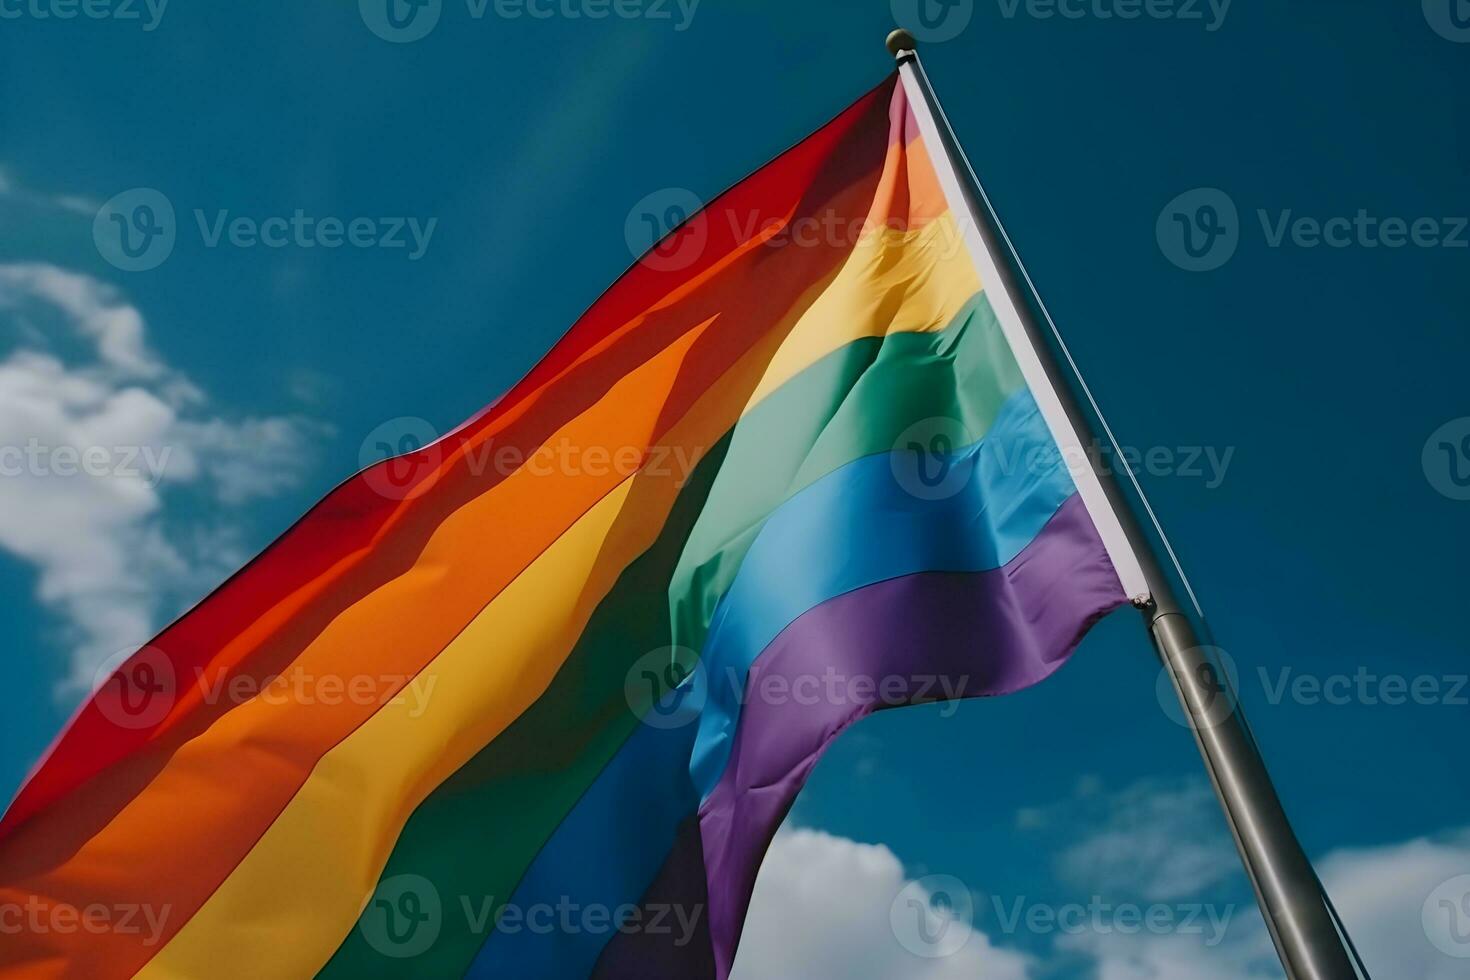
[1297, 912]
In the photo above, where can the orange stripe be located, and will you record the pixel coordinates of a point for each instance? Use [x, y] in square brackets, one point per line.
[233, 779]
[154, 851]
[335, 554]
[374, 779]
[236, 776]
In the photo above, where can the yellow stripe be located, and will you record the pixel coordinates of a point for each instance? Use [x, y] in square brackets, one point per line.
[285, 908]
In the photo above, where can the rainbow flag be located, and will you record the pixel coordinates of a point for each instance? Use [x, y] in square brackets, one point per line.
[528, 701]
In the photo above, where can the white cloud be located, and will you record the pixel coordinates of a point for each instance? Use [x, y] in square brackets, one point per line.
[1381, 892]
[1157, 840]
[12, 189]
[1247, 955]
[1157, 846]
[248, 458]
[90, 447]
[1164, 841]
[821, 912]
[94, 309]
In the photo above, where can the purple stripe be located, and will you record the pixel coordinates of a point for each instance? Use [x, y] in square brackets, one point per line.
[982, 633]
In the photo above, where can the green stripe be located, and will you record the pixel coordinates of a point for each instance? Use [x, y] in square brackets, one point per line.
[847, 406]
[476, 834]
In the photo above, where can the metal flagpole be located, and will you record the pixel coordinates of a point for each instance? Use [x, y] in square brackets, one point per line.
[1293, 903]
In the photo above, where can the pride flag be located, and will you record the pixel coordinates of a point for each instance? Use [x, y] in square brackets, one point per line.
[528, 701]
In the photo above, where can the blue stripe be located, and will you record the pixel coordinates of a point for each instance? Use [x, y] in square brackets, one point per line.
[853, 528]
[601, 858]
[858, 526]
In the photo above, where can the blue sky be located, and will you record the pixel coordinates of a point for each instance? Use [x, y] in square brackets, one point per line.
[1325, 535]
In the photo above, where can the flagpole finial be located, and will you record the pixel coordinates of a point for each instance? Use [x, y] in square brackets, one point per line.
[901, 42]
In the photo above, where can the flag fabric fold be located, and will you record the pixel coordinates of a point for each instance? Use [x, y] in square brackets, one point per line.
[533, 700]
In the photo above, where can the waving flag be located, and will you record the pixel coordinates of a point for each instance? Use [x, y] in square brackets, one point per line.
[511, 704]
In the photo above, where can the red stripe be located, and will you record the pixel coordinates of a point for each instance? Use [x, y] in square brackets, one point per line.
[333, 543]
